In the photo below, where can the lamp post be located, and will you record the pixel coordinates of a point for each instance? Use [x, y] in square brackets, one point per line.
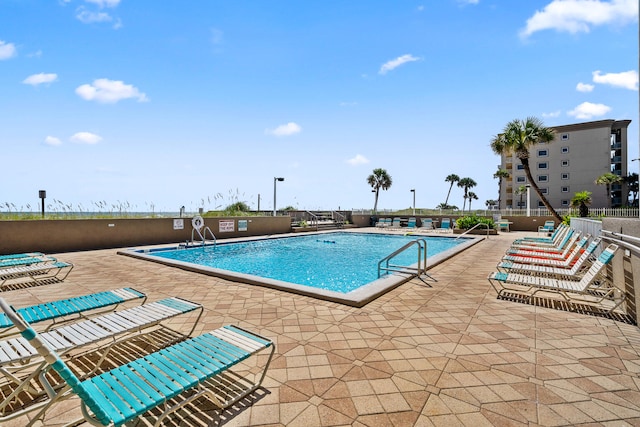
[413, 190]
[43, 195]
[258, 202]
[528, 199]
[275, 179]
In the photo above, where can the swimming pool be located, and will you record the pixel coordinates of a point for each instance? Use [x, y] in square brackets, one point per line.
[340, 266]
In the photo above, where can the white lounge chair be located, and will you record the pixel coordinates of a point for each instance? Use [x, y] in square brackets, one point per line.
[38, 273]
[592, 288]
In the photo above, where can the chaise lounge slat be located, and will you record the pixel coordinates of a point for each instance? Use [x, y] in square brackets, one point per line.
[59, 311]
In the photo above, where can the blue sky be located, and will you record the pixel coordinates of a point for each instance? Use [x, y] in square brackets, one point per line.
[156, 105]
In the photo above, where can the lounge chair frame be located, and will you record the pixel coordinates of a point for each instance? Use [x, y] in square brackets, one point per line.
[21, 363]
[38, 273]
[130, 391]
[592, 288]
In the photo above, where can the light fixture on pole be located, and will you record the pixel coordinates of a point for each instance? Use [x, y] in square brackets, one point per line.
[43, 195]
[275, 179]
[413, 190]
[528, 199]
[258, 202]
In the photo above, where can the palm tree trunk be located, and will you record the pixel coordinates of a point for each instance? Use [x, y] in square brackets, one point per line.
[448, 194]
[527, 171]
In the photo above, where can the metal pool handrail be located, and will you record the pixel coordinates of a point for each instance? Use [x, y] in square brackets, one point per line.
[419, 271]
[474, 227]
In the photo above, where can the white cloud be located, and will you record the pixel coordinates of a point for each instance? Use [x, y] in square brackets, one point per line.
[588, 110]
[584, 87]
[395, 63]
[468, 1]
[551, 114]
[87, 17]
[7, 50]
[104, 3]
[109, 91]
[575, 16]
[85, 138]
[285, 130]
[348, 104]
[626, 79]
[37, 79]
[52, 140]
[359, 159]
[36, 54]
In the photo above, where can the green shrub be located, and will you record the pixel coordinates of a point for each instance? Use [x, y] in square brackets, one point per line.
[467, 222]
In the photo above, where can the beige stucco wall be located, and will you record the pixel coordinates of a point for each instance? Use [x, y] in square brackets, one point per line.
[52, 236]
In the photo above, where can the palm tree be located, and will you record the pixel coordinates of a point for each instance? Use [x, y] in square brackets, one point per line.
[377, 180]
[466, 184]
[500, 174]
[517, 137]
[453, 178]
[581, 200]
[520, 191]
[607, 179]
[471, 196]
[490, 203]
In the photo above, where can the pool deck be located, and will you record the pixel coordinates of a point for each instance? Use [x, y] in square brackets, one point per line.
[446, 355]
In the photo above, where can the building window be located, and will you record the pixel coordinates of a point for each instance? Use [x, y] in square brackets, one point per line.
[543, 153]
[565, 163]
[565, 189]
[565, 136]
[565, 150]
[520, 167]
[542, 165]
[544, 191]
[543, 178]
[540, 204]
[520, 179]
[565, 203]
[565, 176]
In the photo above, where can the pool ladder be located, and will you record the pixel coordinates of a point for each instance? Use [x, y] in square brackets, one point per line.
[203, 238]
[420, 270]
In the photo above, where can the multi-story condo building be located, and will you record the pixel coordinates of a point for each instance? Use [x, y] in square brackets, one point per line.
[579, 154]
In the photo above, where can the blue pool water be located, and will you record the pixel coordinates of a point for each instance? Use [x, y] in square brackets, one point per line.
[339, 262]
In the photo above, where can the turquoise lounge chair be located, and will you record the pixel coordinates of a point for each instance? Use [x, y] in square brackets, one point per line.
[21, 360]
[411, 223]
[159, 380]
[445, 225]
[60, 311]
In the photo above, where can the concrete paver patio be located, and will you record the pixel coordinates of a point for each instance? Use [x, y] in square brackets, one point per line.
[448, 355]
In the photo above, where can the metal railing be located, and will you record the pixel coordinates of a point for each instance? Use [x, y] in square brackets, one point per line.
[385, 265]
[474, 227]
[622, 240]
[202, 234]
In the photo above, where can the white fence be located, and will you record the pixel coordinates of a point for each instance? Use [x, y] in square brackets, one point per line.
[599, 212]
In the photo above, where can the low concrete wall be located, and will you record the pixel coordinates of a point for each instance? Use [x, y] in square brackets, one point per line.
[51, 236]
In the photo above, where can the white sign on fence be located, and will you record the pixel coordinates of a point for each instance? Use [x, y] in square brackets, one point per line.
[226, 225]
[178, 224]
